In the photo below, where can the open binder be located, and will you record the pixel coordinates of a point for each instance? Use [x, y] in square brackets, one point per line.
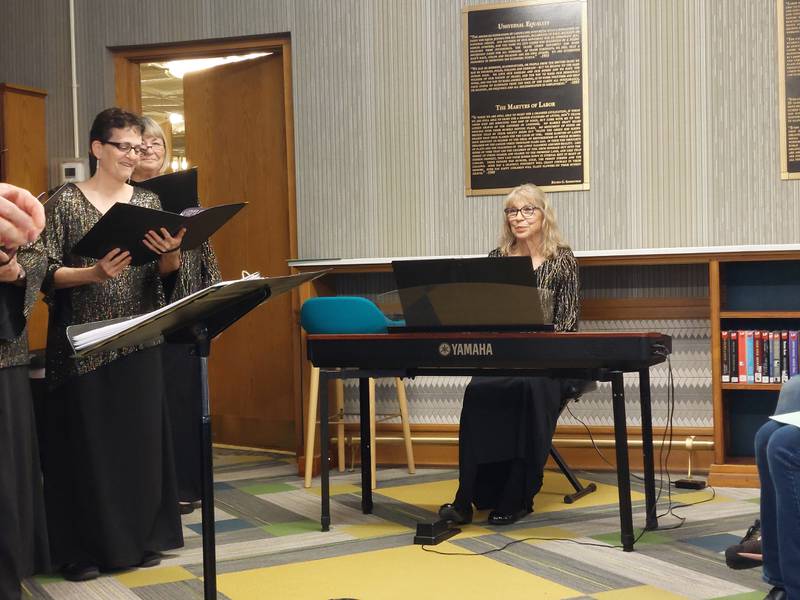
[125, 225]
[177, 191]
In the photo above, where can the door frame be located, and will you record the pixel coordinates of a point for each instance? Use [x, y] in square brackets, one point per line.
[128, 95]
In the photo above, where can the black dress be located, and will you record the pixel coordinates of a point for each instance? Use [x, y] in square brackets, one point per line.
[23, 531]
[199, 269]
[109, 473]
[507, 424]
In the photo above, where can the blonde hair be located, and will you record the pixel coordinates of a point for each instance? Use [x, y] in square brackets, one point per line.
[153, 129]
[552, 239]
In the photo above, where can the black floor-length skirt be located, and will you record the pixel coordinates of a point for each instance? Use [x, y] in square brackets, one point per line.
[109, 474]
[183, 389]
[23, 531]
[506, 429]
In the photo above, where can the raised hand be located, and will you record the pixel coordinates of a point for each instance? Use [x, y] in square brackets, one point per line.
[21, 218]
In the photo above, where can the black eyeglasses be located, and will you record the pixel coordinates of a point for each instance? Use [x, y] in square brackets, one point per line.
[527, 211]
[154, 146]
[126, 147]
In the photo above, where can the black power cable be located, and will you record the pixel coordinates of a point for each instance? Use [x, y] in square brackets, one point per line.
[663, 465]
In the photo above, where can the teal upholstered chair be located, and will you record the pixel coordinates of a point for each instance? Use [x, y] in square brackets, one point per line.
[348, 314]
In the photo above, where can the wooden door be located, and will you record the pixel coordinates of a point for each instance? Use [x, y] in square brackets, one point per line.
[23, 162]
[237, 137]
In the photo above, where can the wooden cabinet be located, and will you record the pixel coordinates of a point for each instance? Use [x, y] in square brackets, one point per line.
[23, 161]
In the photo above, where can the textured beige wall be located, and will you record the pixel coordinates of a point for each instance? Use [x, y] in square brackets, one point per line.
[683, 115]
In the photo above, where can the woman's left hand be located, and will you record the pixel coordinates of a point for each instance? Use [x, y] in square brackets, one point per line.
[163, 243]
[167, 247]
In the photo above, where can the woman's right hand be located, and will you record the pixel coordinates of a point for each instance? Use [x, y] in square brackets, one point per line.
[111, 265]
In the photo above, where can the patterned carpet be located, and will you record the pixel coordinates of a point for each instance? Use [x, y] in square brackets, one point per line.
[269, 545]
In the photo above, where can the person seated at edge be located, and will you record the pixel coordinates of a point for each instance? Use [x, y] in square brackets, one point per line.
[747, 553]
[507, 424]
[777, 447]
[109, 476]
[23, 532]
[199, 269]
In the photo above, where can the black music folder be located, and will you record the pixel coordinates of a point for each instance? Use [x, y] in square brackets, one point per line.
[470, 294]
[177, 191]
[125, 225]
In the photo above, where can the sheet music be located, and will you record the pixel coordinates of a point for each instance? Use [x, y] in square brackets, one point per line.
[792, 418]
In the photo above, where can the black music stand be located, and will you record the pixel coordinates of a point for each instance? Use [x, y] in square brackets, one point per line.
[198, 319]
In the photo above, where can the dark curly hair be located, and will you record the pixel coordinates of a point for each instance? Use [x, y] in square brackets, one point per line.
[104, 122]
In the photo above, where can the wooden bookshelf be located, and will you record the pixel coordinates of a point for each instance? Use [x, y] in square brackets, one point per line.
[759, 314]
[766, 387]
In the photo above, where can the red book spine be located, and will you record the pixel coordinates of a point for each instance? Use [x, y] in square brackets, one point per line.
[758, 356]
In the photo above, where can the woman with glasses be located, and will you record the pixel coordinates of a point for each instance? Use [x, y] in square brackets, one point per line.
[507, 424]
[199, 269]
[109, 475]
[155, 159]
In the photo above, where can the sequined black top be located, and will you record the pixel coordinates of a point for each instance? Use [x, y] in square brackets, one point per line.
[20, 299]
[134, 291]
[199, 269]
[558, 288]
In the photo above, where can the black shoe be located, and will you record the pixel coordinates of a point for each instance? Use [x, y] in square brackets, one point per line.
[150, 559]
[80, 571]
[498, 518]
[776, 593]
[185, 508]
[749, 544]
[459, 516]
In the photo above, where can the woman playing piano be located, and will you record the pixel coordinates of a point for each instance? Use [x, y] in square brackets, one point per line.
[507, 424]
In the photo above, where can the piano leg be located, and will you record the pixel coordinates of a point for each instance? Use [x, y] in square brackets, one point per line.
[651, 519]
[366, 446]
[323, 445]
[623, 468]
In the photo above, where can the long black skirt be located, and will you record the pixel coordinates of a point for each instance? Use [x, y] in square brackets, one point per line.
[507, 426]
[182, 385]
[109, 475]
[23, 531]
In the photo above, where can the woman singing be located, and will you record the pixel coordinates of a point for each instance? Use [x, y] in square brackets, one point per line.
[507, 424]
[108, 467]
[199, 269]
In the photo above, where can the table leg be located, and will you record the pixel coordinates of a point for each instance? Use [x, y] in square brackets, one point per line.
[623, 468]
[323, 447]
[366, 446]
[651, 519]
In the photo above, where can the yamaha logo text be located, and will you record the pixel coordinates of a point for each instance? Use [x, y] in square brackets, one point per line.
[468, 349]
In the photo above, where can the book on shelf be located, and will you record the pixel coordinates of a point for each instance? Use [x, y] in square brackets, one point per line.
[742, 356]
[750, 358]
[793, 366]
[785, 356]
[765, 362]
[725, 353]
[757, 357]
[775, 355]
[733, 364]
